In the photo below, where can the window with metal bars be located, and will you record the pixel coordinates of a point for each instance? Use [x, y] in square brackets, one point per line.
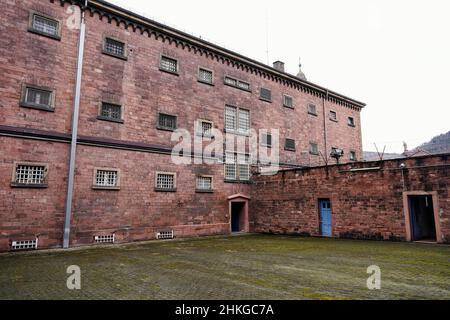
[313, 148]
[237, 120]
[39, 98]
[106, 178]
[165, 181]
[29, 174]
[237, 166]
[111, 112]
[44, 25]
[266, 140]
[168, 64]
[205, 76]
[115, 48]
[288, 101]
[289, 144]
[167, 122]
[312, 109]
[204, 183]
[205, 128]
[265, 95]
[233, 82]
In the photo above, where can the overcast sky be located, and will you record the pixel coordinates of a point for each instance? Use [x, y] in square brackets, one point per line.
[393, 55]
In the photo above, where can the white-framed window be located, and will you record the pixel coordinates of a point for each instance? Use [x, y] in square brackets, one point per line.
[168, 64]
[237, 120]
[205, 75]
[44, 25]
[237, 166]
[114, 48]
[204, 183]
[106, 178]
[166, 181]
[29, 174]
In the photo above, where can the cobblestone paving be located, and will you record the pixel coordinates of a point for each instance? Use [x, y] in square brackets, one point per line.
[237, 267]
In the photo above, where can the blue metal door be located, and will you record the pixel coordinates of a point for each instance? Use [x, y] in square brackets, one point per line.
[325, 217]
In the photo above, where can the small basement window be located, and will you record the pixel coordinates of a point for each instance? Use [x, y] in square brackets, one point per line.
[168, 64]
[167, 122]
[29, 175]
[313, 148]
[204, 184]
[114, 48]
[165, 182]
[265, 95]
[37, 98]
[110, 112]
[289, 144]
[165, 235]
[205, 76]
[105, 239]
[106, 179]
[44, 25]
[288, 101]
[24, 245]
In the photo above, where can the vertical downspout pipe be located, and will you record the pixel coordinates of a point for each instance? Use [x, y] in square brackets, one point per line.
[73, 145]
[325, 127]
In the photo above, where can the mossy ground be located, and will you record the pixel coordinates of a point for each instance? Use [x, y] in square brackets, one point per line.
[236, 267]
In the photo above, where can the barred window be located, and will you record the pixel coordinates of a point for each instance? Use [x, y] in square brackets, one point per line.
[288, 101]
[204, 183]
[351, 121]
[167, 122]
[312, 109]
[205, 128]
[237, 166]
[114, 47]
[266, 140]
[28, 174]
[244, 121]
[165, 181]
[230, 118]
[168, 64]
[237, 119]
[38, 97]
[111, 111]
[106, 178]
[333, 115]
[205, 76]
[265, 94]
[289, 144]
[45, 25]
[313, 148]
[237, 83]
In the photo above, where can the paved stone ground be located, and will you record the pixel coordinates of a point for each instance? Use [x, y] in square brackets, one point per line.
[239, 267]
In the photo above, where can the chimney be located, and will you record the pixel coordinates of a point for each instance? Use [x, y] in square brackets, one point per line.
[279, 65]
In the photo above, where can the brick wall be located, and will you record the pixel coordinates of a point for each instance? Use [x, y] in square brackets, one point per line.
[366, 204]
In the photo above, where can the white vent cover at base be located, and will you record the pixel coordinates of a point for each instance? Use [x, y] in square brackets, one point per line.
[24, 244]
[105, 239]
[164, 235]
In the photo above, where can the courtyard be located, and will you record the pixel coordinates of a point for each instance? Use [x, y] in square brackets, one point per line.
[234, 267]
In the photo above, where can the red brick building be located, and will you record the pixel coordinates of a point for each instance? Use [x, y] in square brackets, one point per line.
[140, 81]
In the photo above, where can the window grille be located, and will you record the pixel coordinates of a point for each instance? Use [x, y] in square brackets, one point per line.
[167, 121]
[204, 183]
[106, 178]
[111, 111]
[24, 244]
[237, 83]
[237, 166]
[38, 97]
[312, 109]
[205, 75]
[30, 174]
[205, 128]
[313, 148]
[105, 239]
[169, 64]
[266, 94]
[45, 25]
[231, 81]
[244, 85]
[230, 166]
[164, 235]
[115, 47]
[288, 101]
[244, 121]
[244, 166]
[333, 115]
[290, 144]
[165, 181]
[230, 118]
